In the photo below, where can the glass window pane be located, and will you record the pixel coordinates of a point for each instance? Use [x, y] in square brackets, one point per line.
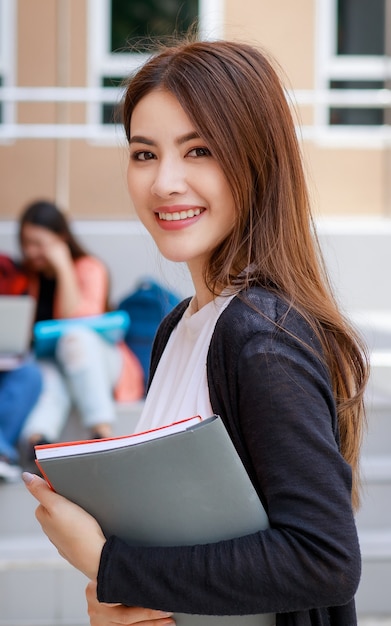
[110, 112]
[361, 25]
[356, 116]
[137, 21]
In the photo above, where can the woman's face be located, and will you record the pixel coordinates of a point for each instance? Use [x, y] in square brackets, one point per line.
[37, 243]
[178, 189]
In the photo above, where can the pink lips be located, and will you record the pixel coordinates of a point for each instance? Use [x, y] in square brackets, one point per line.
[178, 216]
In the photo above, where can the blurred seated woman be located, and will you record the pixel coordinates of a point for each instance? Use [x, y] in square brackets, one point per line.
[86, 371]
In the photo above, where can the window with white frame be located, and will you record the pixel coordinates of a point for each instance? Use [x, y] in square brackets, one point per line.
[353, 61]
[7, 43]
[121, 33]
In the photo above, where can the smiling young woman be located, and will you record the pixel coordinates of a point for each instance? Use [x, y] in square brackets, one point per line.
[215, 175]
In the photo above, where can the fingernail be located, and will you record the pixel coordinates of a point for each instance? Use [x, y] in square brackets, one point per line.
[27, 477]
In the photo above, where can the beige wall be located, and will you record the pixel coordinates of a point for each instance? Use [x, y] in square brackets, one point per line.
[98, 181]
[89, 180]
[27, 172]
[285, 29]
[345, 181]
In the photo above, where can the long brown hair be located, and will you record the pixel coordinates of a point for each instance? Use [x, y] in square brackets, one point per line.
[235, 99]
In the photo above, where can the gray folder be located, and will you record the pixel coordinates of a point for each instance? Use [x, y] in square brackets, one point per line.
[186, 488]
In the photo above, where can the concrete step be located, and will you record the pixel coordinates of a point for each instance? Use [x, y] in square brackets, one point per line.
[381, 370]
[375, 511]
[37, 587]
[368, 620]
[377, 437]
[376, 469]
[17, 508]
[373, 596]
[375, 327]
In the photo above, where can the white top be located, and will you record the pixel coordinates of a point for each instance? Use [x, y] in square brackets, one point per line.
[179, 387]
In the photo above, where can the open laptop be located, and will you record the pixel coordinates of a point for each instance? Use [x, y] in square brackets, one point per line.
[16, 323]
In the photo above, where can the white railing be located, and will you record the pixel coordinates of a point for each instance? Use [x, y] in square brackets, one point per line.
[93, 130]
[60, 94]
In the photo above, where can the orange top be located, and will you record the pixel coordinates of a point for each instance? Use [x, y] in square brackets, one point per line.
[93, 281]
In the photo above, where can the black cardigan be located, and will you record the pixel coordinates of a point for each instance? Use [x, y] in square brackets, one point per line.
[273, 392]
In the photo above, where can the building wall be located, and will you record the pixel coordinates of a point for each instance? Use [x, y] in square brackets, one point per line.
[343, 180]
[274, 26]
[88, 179]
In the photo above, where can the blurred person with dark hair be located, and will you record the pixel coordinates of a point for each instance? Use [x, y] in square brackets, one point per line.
[86, 370]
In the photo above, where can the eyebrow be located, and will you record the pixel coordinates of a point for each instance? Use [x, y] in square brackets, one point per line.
[149, 142]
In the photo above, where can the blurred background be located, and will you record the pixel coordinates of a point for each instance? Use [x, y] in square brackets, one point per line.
[62, 63]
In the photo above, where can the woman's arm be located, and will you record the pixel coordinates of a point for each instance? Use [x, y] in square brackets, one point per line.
[309, 557]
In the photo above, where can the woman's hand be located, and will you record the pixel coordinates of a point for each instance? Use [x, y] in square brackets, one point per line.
[56, 251]
[102, 614]
[76, 534]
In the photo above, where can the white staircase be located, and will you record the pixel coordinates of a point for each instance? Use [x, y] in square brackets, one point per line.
[37, 587]
[374, 518]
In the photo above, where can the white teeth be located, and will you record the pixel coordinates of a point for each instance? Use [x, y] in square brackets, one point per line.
[182, 215]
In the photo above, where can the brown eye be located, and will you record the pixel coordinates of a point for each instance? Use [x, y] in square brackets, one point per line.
[143, 156]
[199, 152]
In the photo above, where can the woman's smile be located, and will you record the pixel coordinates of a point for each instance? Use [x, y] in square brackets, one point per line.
[178, 216]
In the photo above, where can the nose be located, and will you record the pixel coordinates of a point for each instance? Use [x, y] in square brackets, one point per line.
[169, 179]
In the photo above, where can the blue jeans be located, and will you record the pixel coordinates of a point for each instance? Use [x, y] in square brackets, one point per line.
[19, 391]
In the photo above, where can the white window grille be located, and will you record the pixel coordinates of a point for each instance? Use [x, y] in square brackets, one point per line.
[333, 69]
[352, 97]
[7, 58]
[102, 62]
[113, 66]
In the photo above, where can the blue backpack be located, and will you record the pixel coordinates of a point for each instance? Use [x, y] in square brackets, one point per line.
[147, 305]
